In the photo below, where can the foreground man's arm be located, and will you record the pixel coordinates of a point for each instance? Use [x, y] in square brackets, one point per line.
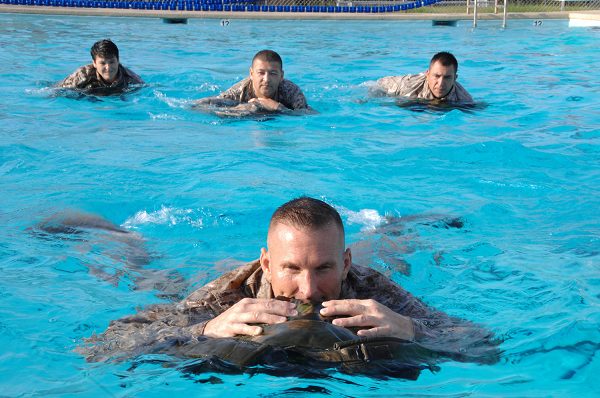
[391, 311]
[451, 337]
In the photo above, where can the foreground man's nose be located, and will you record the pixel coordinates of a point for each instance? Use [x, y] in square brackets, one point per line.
[308, 288]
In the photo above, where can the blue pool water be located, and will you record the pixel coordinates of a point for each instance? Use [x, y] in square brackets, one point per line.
[523, 173]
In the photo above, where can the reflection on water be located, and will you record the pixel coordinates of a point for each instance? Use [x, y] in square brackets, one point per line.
[93, 94]
[436, 106]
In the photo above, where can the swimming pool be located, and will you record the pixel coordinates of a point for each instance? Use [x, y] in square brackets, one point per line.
[523, 173]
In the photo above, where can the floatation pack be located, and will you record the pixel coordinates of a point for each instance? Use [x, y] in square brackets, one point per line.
[310, 340]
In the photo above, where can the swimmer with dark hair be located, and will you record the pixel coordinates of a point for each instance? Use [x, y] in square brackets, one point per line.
[105, 75]
[438, 83]
[264, 91]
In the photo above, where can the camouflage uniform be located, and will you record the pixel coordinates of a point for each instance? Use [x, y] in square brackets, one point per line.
[162, 326]
[415, 86]
[86, 79]
[288, 94]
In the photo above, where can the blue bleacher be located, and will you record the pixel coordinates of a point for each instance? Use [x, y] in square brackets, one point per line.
[220, 5]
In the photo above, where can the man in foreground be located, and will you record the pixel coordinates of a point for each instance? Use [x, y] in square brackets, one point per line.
[437, 83]
[105, 75]
[306, 259]
[265, 90]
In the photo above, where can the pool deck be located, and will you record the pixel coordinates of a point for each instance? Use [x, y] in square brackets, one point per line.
[279, 15]
[584, 18]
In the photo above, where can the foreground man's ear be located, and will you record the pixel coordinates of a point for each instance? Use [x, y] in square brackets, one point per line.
[347, 263]
[265, 263]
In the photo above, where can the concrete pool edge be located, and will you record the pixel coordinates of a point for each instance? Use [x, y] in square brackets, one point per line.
[112, 12]
[589, 18]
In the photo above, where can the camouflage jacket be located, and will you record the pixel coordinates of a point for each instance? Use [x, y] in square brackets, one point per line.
[86, 79]
[415, 86]
[249, 281]
[160, 326]
[288, 94]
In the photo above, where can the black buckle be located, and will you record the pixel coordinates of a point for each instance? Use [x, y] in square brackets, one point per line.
[364, 351]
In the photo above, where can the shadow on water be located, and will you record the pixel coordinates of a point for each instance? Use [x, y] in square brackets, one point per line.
[90, 95]
[280, 364]
[109, 252]
[435, 106]
[396, 237]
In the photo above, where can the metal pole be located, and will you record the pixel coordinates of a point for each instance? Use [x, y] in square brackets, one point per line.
[504, 14]
[495, 6]
[468, 7]
[475, 13]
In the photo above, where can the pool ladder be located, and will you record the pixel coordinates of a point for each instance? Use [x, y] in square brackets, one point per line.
[504, 6]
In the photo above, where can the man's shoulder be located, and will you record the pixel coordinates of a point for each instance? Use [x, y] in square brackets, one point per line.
[290, 88]
[132, 77]
[239, 85]
[461, 94]
[401, 85]
[233, 280]
[367, 283]
[367, 274]
[87, 69]
[291, 95]
[400, 78]
[79, 77]
[234, 92]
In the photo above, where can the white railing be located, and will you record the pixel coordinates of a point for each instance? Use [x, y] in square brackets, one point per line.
[504, 6]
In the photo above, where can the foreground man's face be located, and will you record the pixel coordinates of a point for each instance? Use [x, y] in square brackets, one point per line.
[440, 79]
[265, 77]
[107, 68]
[306, 264]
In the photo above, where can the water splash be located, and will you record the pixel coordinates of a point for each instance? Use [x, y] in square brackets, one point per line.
[173, 102]
[171, 216]
[370, 219]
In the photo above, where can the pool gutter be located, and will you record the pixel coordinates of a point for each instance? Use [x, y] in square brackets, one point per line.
[113, 12]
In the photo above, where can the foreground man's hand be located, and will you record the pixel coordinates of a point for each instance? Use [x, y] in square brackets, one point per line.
[377, 319]
[239, 318]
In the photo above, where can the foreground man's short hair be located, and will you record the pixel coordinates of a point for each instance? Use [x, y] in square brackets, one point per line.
[308, 213]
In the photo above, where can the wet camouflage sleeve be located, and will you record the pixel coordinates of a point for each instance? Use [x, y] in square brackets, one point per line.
[402, 86]
[415, 86]
[161, 327]
[153, 330]
[80, 78]
[291, 96]
[130, 76]
[459, 94]
[236, 91]
[456, 338]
